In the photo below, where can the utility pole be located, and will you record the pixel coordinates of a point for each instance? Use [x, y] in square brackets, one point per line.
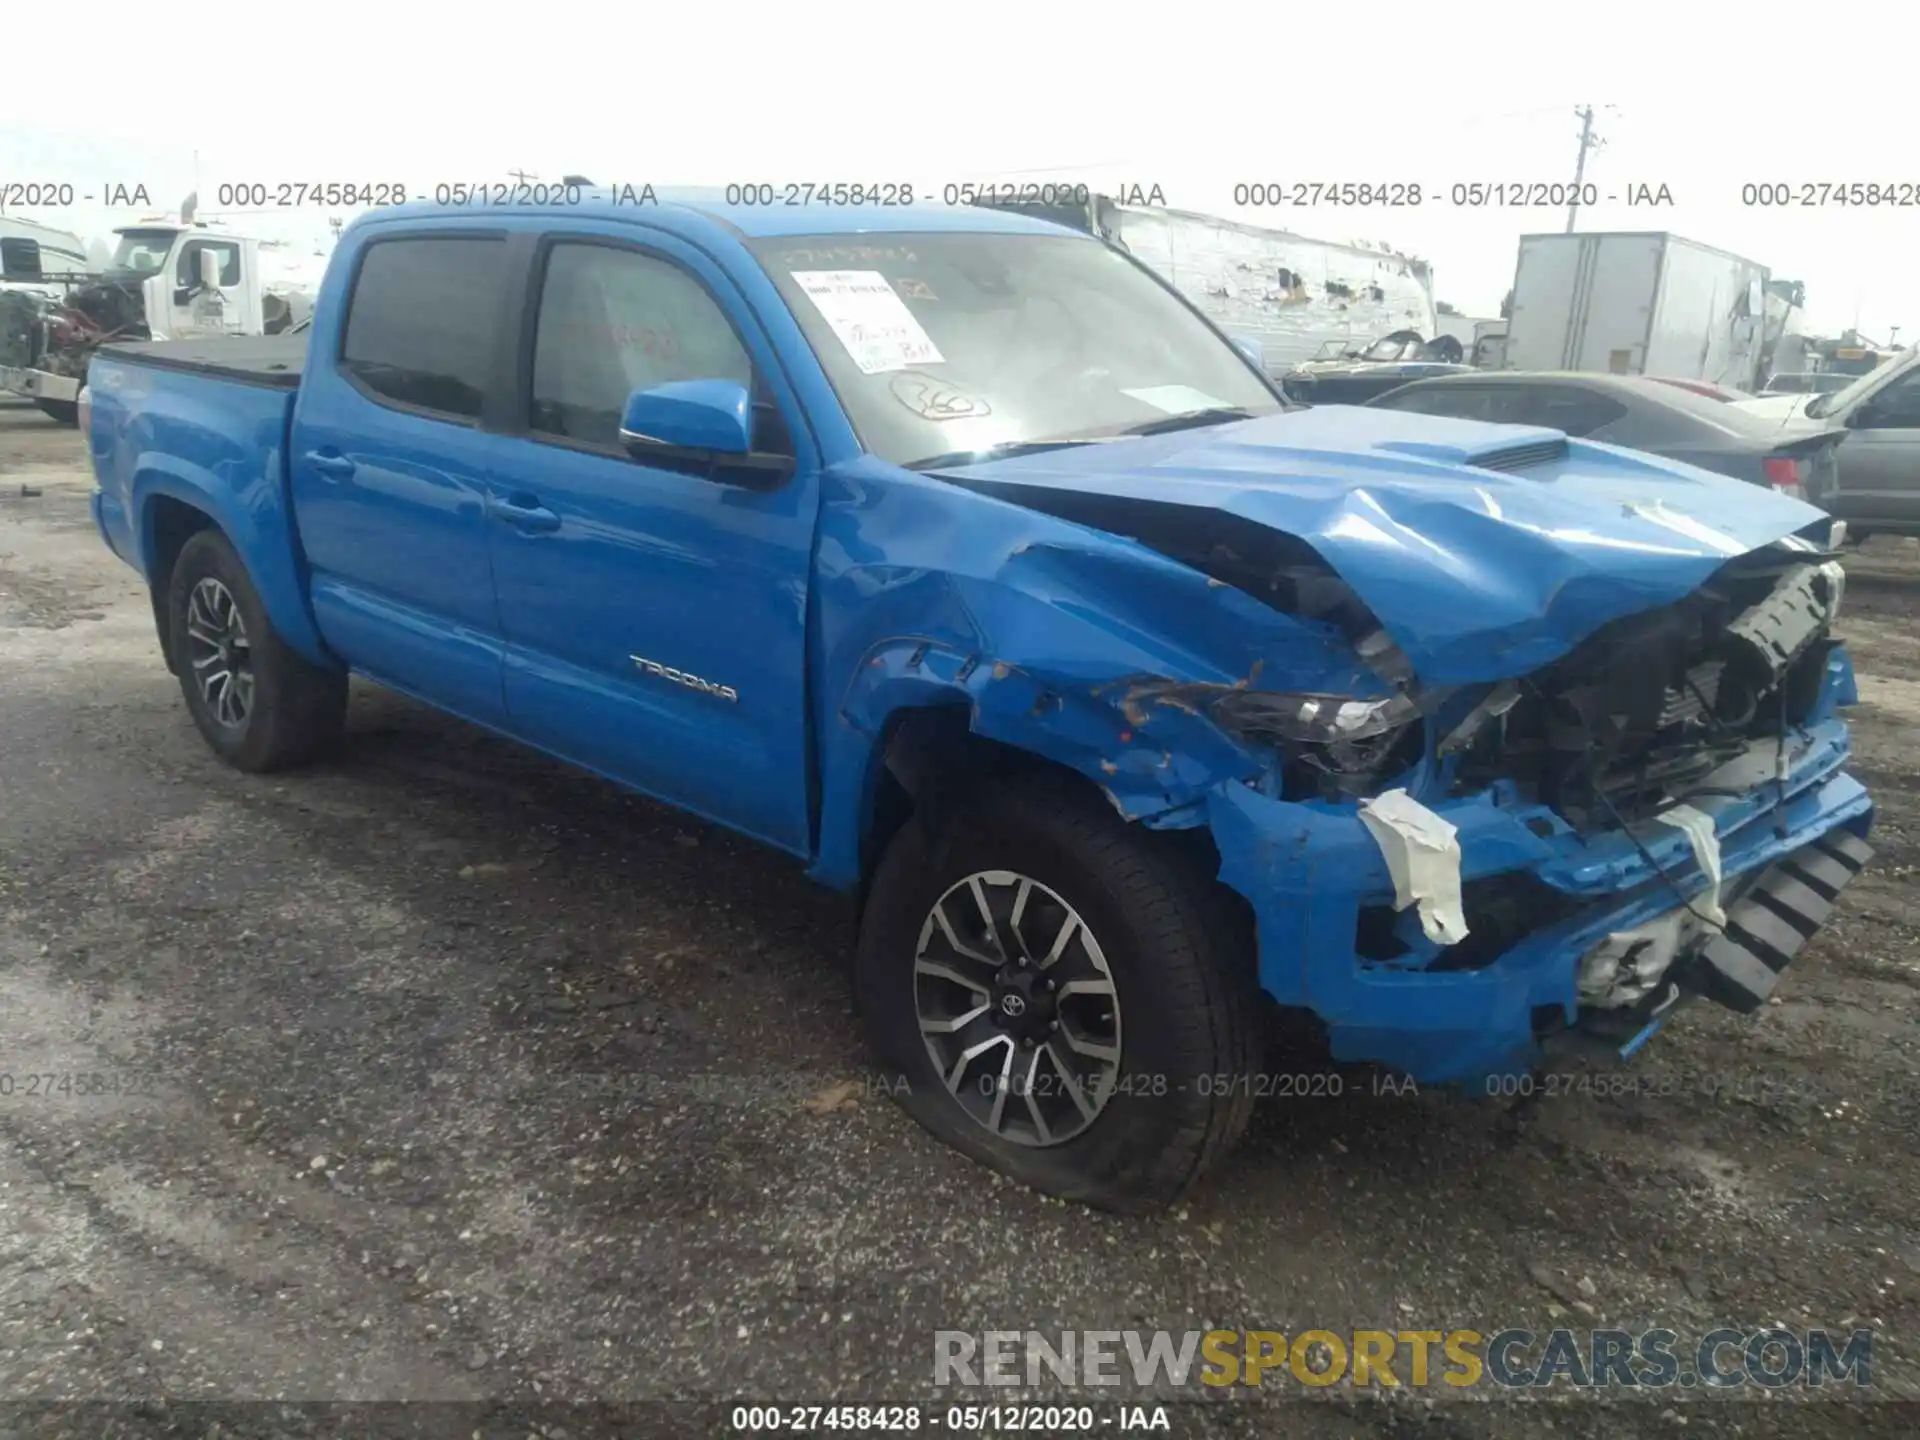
[1588, 141]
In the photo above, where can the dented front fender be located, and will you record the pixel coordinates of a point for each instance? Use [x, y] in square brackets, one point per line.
[1053, 638]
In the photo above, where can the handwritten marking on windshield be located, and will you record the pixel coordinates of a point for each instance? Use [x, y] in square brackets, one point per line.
[933, 399]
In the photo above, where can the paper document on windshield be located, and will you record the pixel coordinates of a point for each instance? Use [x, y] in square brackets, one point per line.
[869, 318]
[1175, 399]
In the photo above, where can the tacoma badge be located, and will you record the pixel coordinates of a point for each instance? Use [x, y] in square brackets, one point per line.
[681, 677]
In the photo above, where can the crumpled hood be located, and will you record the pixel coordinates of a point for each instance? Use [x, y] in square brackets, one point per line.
[1478, 574]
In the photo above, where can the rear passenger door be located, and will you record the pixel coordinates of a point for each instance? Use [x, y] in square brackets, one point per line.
[654, 615]
[389, 466]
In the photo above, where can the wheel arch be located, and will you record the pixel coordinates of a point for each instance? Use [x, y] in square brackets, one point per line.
[926, 760]
[171, 507]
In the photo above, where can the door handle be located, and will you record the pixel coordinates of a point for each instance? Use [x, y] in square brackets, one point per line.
[334, 467]
[523, 512]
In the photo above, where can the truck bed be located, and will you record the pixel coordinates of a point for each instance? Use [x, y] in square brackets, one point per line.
[274, 360]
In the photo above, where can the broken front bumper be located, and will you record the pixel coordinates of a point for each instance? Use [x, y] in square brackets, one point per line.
[1316, 874]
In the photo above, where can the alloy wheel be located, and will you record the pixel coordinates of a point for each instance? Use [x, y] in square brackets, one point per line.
[1017, 1007]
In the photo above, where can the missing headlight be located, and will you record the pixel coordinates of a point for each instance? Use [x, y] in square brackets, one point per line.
[1272, 717]
[1333, 745]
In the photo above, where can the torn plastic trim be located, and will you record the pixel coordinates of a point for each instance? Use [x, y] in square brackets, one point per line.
[1698, 827]
[1422, 852]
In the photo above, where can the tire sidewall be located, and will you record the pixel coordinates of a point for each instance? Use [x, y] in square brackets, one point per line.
[1166, 1082]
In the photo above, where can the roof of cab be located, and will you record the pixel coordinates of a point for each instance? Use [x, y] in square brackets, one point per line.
[678, 207]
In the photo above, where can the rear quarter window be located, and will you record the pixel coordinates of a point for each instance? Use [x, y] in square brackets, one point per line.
[1575, 411]
[1460, 402]
[420, 322]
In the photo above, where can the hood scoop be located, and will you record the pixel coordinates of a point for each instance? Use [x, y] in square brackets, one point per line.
[1514, 458]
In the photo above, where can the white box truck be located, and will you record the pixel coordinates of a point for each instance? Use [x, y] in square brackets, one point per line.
[1638, 302]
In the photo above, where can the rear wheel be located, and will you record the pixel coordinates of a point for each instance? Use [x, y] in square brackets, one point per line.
[65, 412]
[257, 702]
[1070, 999]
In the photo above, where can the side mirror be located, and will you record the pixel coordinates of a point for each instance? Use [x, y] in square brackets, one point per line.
[1253, 350]
[704, 417]
[209, 270]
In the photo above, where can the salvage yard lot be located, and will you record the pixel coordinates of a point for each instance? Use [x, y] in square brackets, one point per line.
[446, 1072]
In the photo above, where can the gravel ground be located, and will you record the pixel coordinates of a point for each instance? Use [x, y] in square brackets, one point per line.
[449, 1074]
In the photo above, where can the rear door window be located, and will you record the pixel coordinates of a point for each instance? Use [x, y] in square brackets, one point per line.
[421, 322]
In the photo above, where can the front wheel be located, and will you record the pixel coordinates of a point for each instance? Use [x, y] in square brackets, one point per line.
[63, 412]
[257, 702]
[1070, 999]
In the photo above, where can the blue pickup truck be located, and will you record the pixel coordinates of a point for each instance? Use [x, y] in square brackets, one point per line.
[961, 558]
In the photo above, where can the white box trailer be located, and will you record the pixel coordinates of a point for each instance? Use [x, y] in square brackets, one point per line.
[1637, 302]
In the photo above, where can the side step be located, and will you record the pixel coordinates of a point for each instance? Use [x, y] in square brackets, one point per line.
[1766, 927]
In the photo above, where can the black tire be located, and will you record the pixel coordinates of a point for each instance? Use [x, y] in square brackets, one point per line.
[63, 412]
[297, 710]
[1180, 951]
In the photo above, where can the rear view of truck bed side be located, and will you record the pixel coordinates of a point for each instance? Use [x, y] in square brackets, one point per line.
[210, 433]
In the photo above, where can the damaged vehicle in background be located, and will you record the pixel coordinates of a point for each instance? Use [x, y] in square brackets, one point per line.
[1128, 701]
[166, 280]
[1342, 375]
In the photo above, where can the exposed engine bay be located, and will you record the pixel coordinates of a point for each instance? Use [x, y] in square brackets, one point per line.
[1613, 732]
[61, 336]
[1648, 706]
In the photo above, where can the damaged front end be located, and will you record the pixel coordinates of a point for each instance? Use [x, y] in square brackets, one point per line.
[1453, 877]
[1586, 757]
[1506, 739]
[59, 337]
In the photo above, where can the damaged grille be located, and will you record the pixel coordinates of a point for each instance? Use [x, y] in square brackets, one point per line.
[1636, 716]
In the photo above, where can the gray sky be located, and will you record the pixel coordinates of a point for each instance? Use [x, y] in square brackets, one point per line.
[1195, 99]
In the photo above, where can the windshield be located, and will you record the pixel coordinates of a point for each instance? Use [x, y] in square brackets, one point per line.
[1828, 403]
[1391, 347]
[947, 343]
[143, 252]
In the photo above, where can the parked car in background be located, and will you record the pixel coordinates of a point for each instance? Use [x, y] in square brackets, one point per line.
[1725, 394]
[1808, 382]
[1344, 376]
[1877, 481]
[1641, 413]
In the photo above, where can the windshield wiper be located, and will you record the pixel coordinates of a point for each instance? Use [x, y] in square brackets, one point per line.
[1005, 450]
[1191, 420]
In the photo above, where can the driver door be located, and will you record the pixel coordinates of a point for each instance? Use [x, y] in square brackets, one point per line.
[654, 617]
[193, 309]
